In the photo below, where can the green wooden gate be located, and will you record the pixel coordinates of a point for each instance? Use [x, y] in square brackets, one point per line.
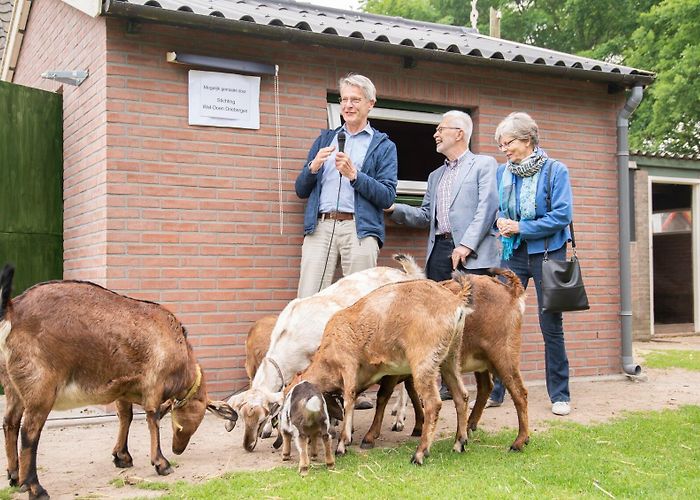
[31, 184]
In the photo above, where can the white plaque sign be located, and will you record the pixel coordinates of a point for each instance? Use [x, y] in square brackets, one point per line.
[224, 100]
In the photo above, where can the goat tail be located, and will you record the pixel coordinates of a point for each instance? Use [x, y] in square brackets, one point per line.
[465, 292]
[409, 265]
[8, 273]
[512, 281]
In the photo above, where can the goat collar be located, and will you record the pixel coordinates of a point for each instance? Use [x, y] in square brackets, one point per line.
[279, 372]
[179, 403]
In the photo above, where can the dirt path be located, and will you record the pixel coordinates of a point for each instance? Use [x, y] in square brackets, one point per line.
[75, 460]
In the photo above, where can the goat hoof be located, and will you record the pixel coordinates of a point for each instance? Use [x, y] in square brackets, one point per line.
[24, 488]
[459, 446]
[367, 445]
[277, 443]
[397, 427]
[164, 470]
[285, 458]
[340, 451]
[13, 478]
[40, 494]
[123, 463]
[416, 432]
[515, 447]
[330, 465]
[265, 434]
[417, 460]
[303, 471]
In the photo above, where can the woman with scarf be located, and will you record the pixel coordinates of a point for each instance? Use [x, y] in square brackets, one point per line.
[527, 226]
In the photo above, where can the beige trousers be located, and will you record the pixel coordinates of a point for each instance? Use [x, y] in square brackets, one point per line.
[355, 254]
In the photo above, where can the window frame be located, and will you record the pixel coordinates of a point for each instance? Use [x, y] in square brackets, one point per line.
[404, 187]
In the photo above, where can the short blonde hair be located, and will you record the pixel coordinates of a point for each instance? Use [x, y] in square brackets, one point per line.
[518, 125]
[364, 83]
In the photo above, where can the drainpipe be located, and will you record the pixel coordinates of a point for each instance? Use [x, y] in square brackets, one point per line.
[628, 364]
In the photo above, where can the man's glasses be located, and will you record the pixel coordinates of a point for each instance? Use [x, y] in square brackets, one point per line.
[440, 129]
[354, 100]
[506, 145]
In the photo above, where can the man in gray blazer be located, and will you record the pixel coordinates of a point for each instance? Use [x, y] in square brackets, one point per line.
[459, 206]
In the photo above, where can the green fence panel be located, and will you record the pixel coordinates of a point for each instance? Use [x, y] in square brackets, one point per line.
[31, 183]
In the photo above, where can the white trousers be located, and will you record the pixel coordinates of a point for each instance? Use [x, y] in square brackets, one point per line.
[330, 240]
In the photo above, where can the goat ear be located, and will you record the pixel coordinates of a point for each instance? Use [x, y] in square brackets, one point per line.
[334, 403]
[223, 410]
[237, 400]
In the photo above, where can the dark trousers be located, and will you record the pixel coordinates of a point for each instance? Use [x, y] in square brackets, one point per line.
[439, 267]
[556, 363]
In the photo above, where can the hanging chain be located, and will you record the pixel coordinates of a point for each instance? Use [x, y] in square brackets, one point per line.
[279, 145]
[474, 15]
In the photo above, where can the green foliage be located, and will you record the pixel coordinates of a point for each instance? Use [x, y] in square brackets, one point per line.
[668, 43]
[6, 493]
[687, 360]
[644, 455]
[654, 35]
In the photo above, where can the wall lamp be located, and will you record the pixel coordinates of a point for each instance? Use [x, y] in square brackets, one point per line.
[69, 77]
[247, 67]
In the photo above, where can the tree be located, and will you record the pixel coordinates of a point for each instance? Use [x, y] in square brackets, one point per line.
[657, 35]
[668, 43]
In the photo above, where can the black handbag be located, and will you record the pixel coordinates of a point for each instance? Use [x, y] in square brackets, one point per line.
[562, 282]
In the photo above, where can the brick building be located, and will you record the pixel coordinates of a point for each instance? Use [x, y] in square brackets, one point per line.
[205, 220]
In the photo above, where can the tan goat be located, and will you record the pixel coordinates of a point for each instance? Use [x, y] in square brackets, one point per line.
[412, 327]
[70, 343]
[490, 343]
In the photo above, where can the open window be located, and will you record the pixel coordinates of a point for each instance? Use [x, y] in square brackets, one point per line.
[412, 132]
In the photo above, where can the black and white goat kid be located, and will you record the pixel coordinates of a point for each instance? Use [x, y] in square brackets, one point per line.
[304, 417]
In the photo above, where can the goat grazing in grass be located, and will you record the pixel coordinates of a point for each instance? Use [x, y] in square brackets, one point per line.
[70, 343]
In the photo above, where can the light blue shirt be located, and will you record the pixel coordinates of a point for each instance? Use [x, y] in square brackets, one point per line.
[356, 146]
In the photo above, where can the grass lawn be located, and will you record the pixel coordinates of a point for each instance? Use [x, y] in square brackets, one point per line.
[688, 360]
[647, 455]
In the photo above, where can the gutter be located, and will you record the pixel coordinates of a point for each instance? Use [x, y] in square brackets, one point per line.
[145, 13]
[623, 154]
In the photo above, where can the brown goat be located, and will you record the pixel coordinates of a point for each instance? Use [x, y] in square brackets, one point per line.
[490, 343]
[257, 343]
[69, 343]
[413, 327]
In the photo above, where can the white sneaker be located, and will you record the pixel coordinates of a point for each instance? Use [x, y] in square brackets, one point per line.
[490, 403]
[561, 408]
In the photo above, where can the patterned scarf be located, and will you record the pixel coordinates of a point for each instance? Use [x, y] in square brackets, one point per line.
[529, 169]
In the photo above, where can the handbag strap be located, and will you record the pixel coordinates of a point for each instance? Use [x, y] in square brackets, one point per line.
[548, 197]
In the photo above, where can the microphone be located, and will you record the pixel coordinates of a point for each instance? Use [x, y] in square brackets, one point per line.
[341, 144]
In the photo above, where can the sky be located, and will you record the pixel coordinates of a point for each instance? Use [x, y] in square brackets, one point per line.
[338, 4]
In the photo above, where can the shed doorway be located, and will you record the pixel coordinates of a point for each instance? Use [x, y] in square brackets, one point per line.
[674, 266]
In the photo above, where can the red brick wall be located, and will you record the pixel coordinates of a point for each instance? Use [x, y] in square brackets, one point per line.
[192, 217]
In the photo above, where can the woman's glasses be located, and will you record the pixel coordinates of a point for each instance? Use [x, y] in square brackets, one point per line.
[507, 144]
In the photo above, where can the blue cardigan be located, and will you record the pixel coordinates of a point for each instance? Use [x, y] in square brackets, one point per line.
[375, 185]
[553, 225]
